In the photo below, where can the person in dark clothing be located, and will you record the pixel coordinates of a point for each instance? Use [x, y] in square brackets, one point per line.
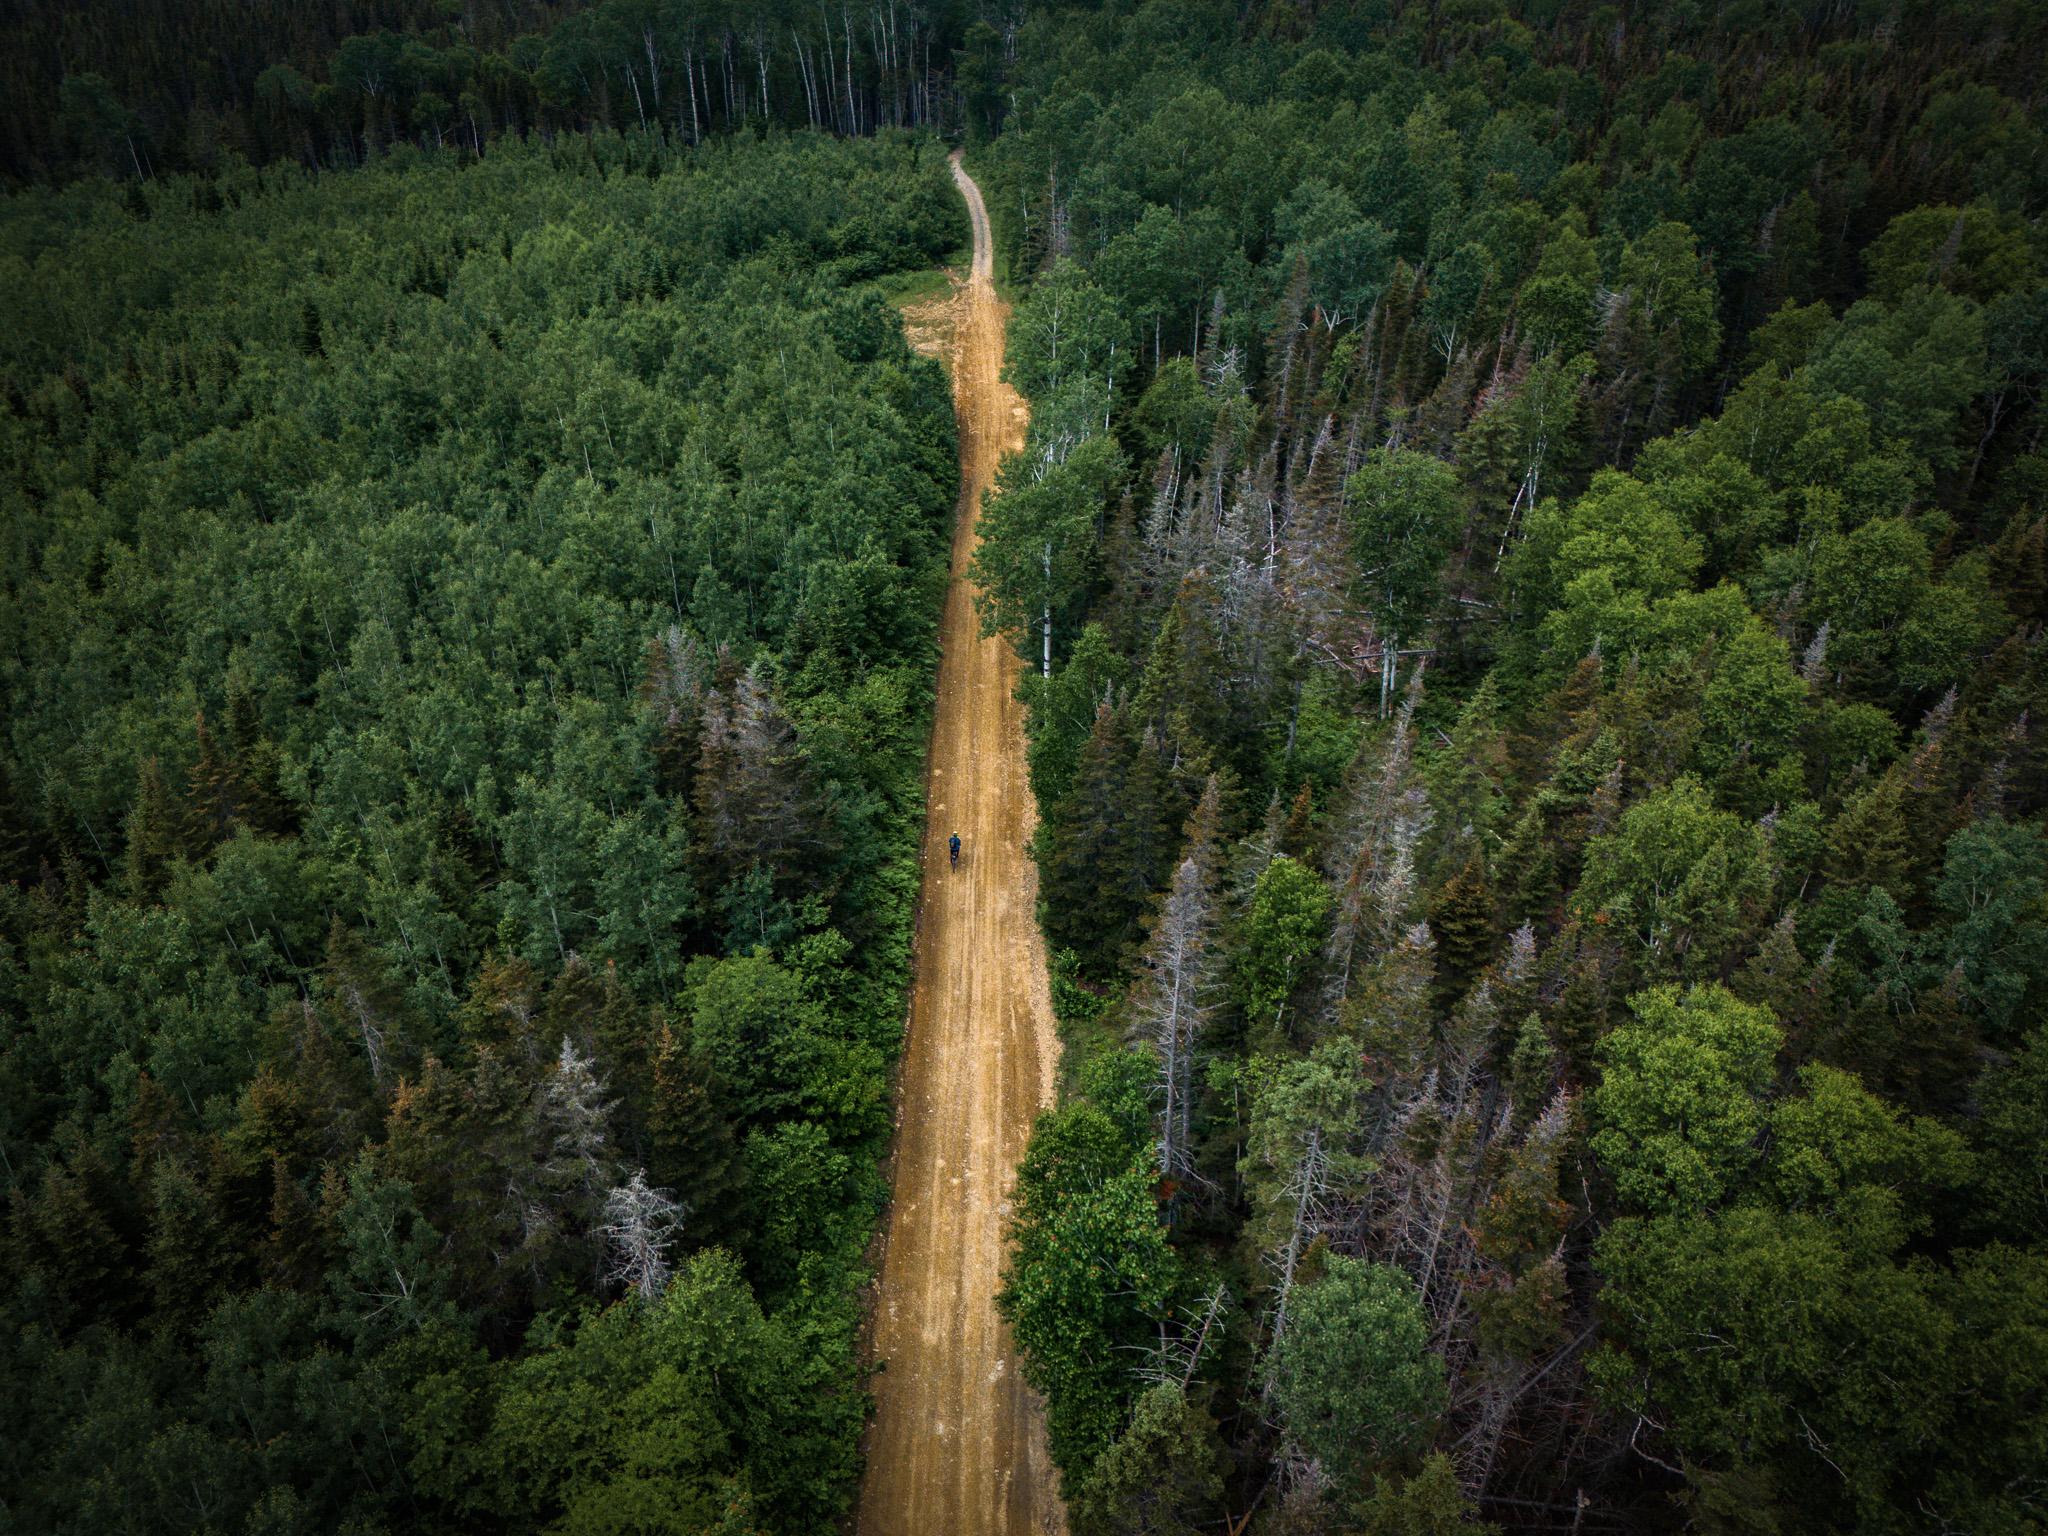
[953, 848]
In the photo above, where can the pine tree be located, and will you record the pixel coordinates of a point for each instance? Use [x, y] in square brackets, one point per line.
[1868, 843]
[1371, 860]
[1296, 831]
[1082, 834]
[256, 762]
[1298, 1163]
[673, 689]
[1443, 414]
[78, 1234]
[573, 1109]
[216, 792]
[1182, 694]
[758, 803]
[572, 1005]
[1532, 1069]
[1779, 978]
[503, 1009]
[624, 1034]
[296, 1245]
[366, 999]
[334, 1080]
[311, 337]
[191, 1261]
[1107, 845]
[1581, 975]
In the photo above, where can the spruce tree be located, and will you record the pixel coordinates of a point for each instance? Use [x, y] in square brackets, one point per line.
[1078, 830]
[691, 1146]
[1461, 917]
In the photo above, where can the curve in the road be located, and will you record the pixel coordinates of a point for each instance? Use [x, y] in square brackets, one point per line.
[958, 1442]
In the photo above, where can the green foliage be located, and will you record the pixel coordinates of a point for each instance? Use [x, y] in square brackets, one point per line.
[1065, 330]
[1977, 252]
[1835, 1135]
[1776, 1339]
[1406, 516]
[1037, 537]
[1914, 366]
[1106, 844]
[754, 1025]
[1162, 1476]
[1089, 1275]
[1063, 711]
[2008, 1137]
[1284, 928]
[1679, 1104]
[1683, 443]
[1673, 292]
[392, 1281]
[1683, 880]
[698, 1410]
[1347, 257]
[1598, 565]
[1994, 885]
[467, 632]
[1353, 1374]
[427, 74]
[1431, 1503]
[1175, 414]
[499, 773]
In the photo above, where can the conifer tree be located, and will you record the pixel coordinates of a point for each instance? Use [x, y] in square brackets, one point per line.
[1161, 1477]
[691, 1142]
[1461, 918]
[1107, 842]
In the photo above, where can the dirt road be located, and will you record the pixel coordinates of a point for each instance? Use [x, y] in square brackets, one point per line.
[957, 1447]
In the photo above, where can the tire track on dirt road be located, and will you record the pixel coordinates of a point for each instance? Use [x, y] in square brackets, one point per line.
[957, 1446]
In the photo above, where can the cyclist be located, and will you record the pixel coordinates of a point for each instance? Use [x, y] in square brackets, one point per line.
[953, 848]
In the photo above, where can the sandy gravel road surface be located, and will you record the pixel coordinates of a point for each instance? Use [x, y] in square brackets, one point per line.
[957, 1447]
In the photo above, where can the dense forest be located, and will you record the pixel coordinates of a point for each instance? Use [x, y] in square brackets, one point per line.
[1532, 558]
[156, 86]
[467, 641]
[1532, 562]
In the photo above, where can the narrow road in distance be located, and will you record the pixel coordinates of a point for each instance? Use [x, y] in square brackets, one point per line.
[957, 1447]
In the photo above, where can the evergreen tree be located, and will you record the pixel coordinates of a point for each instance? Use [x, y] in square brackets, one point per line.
[1162, 1476]
[691, 1142]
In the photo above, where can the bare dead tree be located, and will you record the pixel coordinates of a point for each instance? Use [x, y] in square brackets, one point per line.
[1307, 1190]
[1373, 858]
[575, 1115]
[1173, 1005]
[1178, 1354]
[639, 1227]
